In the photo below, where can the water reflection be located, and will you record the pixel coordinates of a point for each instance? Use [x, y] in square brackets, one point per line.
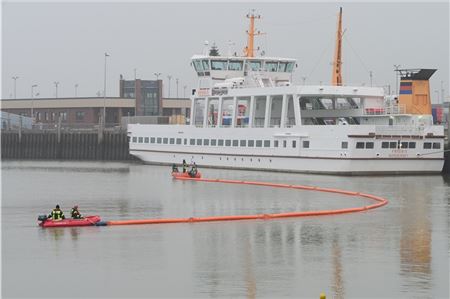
[338, 280]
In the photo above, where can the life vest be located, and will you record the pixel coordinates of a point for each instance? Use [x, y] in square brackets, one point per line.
[57, 214]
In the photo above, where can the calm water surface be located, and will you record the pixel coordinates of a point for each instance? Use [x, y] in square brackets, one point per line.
[398, 251]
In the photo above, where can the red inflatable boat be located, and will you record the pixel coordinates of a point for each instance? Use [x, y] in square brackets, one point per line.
[186, 175]
[86, 221]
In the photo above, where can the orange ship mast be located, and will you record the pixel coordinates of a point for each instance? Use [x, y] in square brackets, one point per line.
[249, 50]
[336, 77]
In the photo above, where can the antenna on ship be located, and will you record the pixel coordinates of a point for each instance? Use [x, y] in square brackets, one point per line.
[336, 76]
[249, 49]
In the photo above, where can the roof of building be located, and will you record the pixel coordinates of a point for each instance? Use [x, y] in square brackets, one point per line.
[93, 102]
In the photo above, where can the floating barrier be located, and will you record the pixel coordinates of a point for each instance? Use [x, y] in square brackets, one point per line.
[379, 203]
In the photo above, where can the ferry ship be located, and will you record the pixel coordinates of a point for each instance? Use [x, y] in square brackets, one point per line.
[247, 114]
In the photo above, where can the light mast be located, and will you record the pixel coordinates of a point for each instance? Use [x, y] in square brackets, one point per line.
[249, 49]
[336, 76]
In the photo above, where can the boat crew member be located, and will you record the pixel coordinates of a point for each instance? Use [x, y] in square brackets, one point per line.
[75, 213]
[56, 214]
[174, 168]
[193, 171]
[185, 166]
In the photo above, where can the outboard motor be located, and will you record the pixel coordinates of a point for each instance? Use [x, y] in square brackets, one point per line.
[42, 218]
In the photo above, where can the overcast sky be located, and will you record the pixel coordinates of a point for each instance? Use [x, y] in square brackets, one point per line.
[65, 42]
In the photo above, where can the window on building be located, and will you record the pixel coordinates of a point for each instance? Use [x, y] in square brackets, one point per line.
[172, 141]
[141, 139]
[275, 143]
[258, 143]
[251, 143]
[393, 144]
[192, 141]
[185, 141]
[404, 144]
[205, 141]
[38, 116]
[369, 145]
[344, 144]
[165, 140]
[79, 115]
[152, 139]
[235, 142]
[228, 142]
[284, 143]
[294, 144]
[436, 145]
[427, 145]
[199, 142]
[243, 143]
[178, 140]
[146, 139]
[385, 144]
[220, 142]
[359, 145]
[412, 145]
[213, 142]
[305, 143]
[266, 143]
[134, 139]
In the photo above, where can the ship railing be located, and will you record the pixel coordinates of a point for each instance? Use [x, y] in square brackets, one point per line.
[385, 110]
[399, 130]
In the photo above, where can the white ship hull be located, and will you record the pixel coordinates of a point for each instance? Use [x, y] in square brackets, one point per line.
[324, 155]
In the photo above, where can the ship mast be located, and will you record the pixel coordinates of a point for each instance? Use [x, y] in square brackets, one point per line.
[336, 76]
[249, 49]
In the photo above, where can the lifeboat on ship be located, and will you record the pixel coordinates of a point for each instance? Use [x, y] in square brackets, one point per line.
[86, 221]
[186, 175]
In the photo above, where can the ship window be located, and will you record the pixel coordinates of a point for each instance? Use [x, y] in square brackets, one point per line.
[146, 140]
[282, 67]
[436, 145]
[412, 145]
[218, 65]
[251, 143]
[266, 143]
[255, 65]
[134, 139]
[228, 142]
[152, 139]
[344, 144]
[220, 142]
[191, 141]
[213, 142]
[185, 141]
[178, 140]
[385, 144]
[235, 142]
[271, 66]
[404, 145]
[234, 65]
[360, 145]
[393, 144]
[198, 66]
[205, 141]
[165, 140]
[158, 140]
[199, 142]
[141, 139]
[275, 143]
[284, 143]
[205, 64]
[290, 67]
[258, 143]
[172, 140]
[306, 144]
[369, 144]
[427, 145]
[243, 143]
[294, 144]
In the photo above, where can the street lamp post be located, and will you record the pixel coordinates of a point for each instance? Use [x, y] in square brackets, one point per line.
[104, 92]
[184, 91]
[176, 81]
[32, 99]
[170, 78]
[157, 75]
[396, 77]
[437, 96]
[15, 79]
[56, 88]
[76, 87]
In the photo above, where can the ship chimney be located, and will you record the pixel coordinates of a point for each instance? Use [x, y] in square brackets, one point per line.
[415, 90]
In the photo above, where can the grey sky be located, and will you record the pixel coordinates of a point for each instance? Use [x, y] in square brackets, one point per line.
[65, 42]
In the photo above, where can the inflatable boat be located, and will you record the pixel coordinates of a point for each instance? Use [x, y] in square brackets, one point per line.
[186, 175]
[86, 221]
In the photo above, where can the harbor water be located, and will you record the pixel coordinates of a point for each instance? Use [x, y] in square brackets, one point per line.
[400, 250]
